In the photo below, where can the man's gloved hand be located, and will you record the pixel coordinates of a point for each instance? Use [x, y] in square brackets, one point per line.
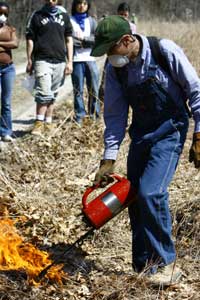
[194, 155]
[102, 176]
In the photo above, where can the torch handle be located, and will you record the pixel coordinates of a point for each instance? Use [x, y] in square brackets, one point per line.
[90, 189]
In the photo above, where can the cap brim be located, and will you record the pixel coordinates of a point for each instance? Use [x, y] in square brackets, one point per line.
[101, 49]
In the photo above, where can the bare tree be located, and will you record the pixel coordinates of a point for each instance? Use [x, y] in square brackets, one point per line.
[168, 10]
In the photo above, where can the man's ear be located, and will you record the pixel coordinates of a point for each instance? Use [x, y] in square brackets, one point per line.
[126, 39]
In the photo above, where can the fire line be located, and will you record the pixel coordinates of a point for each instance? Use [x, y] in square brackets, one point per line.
[16, 254]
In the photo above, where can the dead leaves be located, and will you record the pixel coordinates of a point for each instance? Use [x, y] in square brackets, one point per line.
[44, 180]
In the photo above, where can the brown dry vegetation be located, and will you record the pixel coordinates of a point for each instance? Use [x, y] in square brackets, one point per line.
[44, 180]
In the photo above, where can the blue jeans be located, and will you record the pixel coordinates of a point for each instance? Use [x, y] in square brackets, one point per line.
[7, 78]
[89, 71]
[150, 169]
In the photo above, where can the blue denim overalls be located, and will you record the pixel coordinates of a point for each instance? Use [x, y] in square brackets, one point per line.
[158, 132]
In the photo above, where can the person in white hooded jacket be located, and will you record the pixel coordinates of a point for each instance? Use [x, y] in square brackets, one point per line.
[84, 65]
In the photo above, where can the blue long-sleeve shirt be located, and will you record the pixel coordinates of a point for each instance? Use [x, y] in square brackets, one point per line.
[183, 83]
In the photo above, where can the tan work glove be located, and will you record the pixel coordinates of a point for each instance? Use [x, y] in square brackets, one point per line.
[194, 154]
[102, 176]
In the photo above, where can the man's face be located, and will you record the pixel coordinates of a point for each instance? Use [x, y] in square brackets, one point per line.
[120, 48]
[51, 2]
[128, 46]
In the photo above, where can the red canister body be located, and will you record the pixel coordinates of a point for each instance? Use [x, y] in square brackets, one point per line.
[109, 203]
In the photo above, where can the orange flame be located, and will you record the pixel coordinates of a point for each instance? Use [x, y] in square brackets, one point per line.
[15, 254]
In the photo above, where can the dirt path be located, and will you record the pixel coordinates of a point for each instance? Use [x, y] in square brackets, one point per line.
[24, 105]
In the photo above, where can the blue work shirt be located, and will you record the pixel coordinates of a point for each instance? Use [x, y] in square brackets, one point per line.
[183, 83]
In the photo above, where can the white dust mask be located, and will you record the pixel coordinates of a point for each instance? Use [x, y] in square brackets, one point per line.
[3, 19]
[118, 61]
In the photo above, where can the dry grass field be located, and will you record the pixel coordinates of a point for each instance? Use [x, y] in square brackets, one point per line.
[41, 186]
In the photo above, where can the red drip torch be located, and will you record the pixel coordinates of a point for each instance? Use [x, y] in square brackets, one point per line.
[108, 204]
[101, 209]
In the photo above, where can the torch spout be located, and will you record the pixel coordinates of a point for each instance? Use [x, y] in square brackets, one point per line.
[57, 261]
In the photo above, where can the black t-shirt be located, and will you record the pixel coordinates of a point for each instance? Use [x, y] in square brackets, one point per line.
[48, 35]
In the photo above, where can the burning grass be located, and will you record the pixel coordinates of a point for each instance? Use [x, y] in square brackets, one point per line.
[18, 255]
[43, 180]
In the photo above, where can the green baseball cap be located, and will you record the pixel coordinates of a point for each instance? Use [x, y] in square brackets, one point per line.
[108, 33]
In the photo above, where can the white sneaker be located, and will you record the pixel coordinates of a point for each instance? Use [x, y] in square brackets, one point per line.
[166, 276]
[7, 138]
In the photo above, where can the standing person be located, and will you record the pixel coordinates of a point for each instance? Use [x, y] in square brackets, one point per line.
[124, 11]
[158, 132]
[84, 65]
[8, 41]
[49, 36]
